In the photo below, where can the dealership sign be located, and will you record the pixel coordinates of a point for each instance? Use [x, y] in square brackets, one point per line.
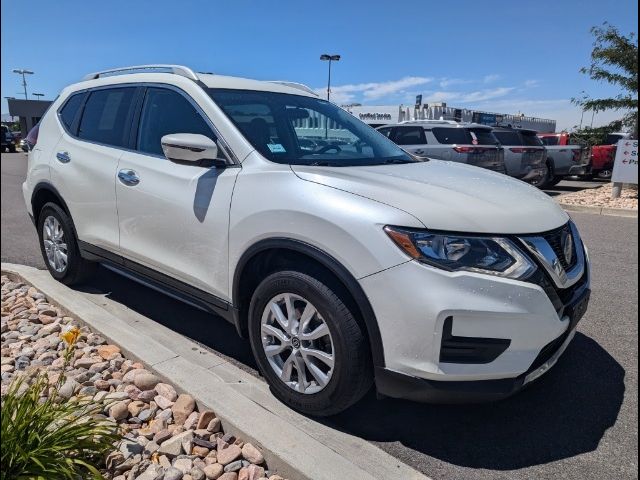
[625, 168]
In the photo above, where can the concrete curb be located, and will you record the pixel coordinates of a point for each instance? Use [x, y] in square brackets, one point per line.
[294, 446]
[614, 212]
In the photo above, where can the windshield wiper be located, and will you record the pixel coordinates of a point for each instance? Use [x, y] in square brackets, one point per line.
[397, 161]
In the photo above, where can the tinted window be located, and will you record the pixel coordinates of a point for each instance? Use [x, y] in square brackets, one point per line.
[105, 116]
[612, 139]
[385, 131]
[550, 141]
[482, 136]
[297, 129]
[450, 136]
[164, 112]
[508, 138]
[410, 136]
[68, 112]
[530, 139]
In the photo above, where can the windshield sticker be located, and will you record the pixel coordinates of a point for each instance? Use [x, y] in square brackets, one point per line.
[276, 148]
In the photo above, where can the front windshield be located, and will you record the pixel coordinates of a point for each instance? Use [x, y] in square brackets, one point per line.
[300, 130]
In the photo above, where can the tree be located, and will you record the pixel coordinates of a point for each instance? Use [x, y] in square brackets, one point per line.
[614, 60]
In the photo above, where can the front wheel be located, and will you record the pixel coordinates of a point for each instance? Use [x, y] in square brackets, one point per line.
[308, 344]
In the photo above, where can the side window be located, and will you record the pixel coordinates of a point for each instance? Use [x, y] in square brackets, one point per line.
[166, 111]
[385, 131]
[105, 116]
[70, 109]
[451, 136]
[410, 136]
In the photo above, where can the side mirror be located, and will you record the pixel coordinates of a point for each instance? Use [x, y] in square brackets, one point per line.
[191, 148]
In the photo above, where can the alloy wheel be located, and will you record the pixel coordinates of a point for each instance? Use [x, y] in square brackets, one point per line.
[297, 343]
[55, 245]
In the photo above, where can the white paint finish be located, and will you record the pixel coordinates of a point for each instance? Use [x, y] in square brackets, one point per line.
[87, 185]
[270, 201]
[448, 196]
[411, 302]
[176, 219]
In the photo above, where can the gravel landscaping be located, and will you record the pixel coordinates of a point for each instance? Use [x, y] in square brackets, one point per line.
[601, 197]
[164, 436]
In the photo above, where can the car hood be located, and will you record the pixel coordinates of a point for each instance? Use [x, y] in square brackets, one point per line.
[447, 195]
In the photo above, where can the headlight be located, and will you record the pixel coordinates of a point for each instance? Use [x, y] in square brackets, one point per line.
[453, 252]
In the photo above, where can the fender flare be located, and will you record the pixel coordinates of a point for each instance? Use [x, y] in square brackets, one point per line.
[335, 267]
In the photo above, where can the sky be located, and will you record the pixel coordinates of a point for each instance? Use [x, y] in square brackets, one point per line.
[501, 56]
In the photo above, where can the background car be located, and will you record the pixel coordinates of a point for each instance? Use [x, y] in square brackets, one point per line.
[524, 154]
[469, 143]
[8, 142]
[564, 159]
[603, 156]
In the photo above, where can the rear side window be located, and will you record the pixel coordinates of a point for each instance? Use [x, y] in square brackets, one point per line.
[450, 136]
[508, 138]
[69, 111]
[106, 115]
[164, 112]
[482, 136]
[410, 136]
[530, 139]
[550, 141]
[385, 131]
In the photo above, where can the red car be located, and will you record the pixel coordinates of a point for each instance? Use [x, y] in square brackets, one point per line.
[603, 156]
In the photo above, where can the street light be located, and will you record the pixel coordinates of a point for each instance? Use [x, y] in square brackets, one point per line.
[330, 58]
[38, 95]
[23, 72]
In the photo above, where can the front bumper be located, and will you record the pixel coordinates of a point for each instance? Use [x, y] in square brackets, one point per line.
[413, 303]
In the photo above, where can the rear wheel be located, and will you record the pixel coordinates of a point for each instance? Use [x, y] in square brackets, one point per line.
[308, 345]
[59, 246]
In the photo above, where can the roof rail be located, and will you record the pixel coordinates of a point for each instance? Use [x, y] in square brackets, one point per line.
[299, 86]
[175, 69]
[445, 122]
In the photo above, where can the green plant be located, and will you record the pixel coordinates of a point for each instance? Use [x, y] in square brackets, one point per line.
[614, 60]
[45, 437]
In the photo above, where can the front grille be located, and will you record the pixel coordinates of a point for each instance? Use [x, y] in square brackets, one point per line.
[559, 297]
[554, 238]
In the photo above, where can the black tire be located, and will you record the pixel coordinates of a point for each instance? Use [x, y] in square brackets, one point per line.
[78, 269]
[12, 148]
[549, 179]
[352, 375]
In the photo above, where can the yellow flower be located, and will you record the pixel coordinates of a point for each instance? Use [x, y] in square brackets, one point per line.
[71, 335]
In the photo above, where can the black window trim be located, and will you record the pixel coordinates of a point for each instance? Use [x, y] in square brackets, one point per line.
[135, 117]
[133, 132]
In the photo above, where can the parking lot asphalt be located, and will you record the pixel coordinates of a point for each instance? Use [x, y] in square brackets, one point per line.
[580, 421]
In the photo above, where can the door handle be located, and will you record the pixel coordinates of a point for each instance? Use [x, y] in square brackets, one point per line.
[128, 177]
[63, 157]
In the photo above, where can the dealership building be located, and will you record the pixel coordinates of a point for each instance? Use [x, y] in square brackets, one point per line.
[378, 115]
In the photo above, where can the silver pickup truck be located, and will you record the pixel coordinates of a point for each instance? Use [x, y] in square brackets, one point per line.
[563, 160]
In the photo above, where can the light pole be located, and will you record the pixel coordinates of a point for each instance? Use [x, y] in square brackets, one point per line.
[38, 95]
[330, 58]
[23, 72]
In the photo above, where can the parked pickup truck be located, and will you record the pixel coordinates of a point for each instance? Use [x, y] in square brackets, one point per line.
[564, 159]
[603, 156]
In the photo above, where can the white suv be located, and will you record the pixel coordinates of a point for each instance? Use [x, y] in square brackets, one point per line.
[344, 259]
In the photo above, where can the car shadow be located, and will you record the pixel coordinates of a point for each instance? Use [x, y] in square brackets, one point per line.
[564, 414]
[206, 328]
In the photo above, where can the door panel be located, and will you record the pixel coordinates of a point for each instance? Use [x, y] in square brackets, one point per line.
[176, 219]
[86, 182]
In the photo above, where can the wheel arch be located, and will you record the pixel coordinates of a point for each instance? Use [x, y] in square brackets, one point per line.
[267, 255]
[43, 193]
